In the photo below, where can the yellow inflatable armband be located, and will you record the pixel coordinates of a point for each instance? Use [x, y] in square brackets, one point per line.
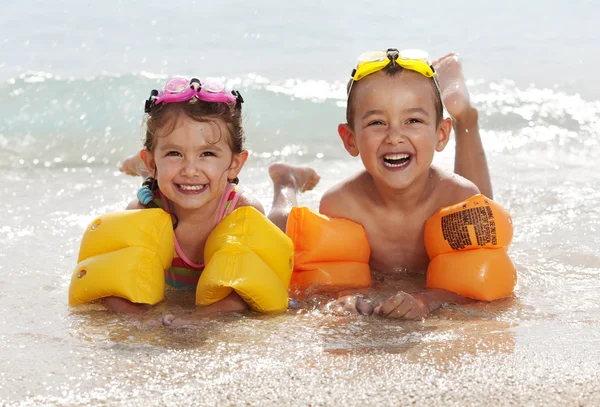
[329, 252]
[124, 254]
[249, 254]
[467, 245]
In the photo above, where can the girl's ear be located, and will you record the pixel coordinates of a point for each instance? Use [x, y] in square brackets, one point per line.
[148, 160]
[443, 134]
[348, 138]
[237, 163]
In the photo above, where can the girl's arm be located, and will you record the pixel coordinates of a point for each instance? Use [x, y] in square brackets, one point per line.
[232, 303]
[123, 306]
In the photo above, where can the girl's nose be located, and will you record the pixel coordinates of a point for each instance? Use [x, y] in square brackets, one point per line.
[189, 168]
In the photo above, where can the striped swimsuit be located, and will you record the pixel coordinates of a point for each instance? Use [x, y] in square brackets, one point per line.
[183, 272]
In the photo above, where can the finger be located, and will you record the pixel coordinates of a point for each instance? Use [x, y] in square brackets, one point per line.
[343, 306]
[167, 320]
[400, 311]
[413, 314]
[364, 306]
[392, 303]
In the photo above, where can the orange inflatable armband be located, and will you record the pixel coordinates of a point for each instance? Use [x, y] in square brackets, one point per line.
[467, 245]
[328, 252]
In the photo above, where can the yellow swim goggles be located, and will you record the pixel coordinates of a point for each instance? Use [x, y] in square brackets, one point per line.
[374, 61]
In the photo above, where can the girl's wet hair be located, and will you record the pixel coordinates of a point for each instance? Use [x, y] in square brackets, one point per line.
[163, 119]
[391, 70]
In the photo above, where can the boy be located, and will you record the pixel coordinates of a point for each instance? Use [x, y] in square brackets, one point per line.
[395, 123]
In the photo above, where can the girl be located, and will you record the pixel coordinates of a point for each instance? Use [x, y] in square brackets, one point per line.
[193, 153]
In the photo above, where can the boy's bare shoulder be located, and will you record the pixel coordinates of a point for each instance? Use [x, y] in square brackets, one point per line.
[342, 199]
[452, 188]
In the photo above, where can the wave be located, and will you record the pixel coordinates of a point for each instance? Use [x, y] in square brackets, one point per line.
[52, 121]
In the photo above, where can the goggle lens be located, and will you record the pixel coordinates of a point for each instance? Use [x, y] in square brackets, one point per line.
[213, 86]
[177, 85]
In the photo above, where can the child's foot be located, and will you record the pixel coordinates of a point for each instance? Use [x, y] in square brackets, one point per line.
[134, 166]
[452, 85]
[298, 177]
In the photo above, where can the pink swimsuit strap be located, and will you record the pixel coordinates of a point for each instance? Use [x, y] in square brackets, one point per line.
[227, 205]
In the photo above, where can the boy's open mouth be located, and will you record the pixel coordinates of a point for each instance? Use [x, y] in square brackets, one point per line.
[396, 160]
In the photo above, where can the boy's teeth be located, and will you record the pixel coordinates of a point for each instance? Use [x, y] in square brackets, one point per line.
[191, 187]
[395, 156]
[396, 160]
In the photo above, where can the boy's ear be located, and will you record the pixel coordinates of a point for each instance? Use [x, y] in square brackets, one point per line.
[148, 160]
[237, 163]
[348, 138]
[443, 134]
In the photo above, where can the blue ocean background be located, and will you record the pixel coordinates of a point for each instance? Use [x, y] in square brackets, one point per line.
[73, 76]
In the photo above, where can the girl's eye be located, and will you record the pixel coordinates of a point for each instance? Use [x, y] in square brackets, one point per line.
[172, 154]
[207, 154]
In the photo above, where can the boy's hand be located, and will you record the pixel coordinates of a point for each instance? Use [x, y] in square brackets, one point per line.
[404, 306]
[351, 304]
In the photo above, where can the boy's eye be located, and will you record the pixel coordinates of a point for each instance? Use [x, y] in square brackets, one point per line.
[414, 120]
[375, 123]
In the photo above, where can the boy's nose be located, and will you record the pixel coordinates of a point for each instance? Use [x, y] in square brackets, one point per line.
[395, 135]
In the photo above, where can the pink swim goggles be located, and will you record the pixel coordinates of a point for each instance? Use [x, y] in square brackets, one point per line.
[182, 89]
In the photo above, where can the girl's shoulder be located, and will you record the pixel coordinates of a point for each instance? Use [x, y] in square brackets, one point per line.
[135, 204]
[246, 199]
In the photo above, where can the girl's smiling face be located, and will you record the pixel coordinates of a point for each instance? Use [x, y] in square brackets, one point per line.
[193, 163]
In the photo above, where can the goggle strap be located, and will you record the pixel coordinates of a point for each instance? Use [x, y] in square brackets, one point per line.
[238, 97]
[150, 102]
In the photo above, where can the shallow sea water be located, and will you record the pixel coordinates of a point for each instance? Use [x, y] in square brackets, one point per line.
[540, 348]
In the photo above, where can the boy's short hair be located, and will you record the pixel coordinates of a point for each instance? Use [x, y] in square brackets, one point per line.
[391, 70]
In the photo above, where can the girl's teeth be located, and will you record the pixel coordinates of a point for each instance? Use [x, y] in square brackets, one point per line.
[191, 187]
